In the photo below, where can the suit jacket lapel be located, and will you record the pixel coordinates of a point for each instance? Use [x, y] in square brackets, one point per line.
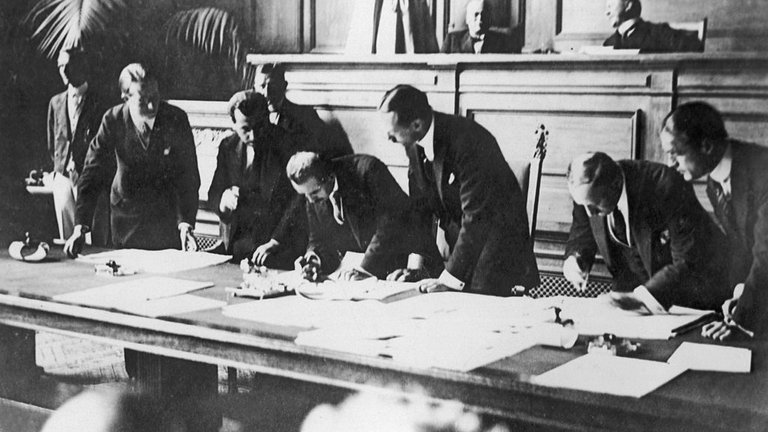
[741, 192]
[62, 112]
[466, 43]
[440, 148]
[638, 228]
[600, 231]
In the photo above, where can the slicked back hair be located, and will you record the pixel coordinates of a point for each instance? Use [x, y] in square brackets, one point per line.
[134, 73]
[408, 102]
[697, 122]
[595, 169]
[249, 103]
[303, 166]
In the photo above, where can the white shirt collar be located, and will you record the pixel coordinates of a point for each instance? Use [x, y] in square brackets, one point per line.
[427, 142]
[722, 172]
[138, 120]
[623, 206]
[626, 26]
[73, 91]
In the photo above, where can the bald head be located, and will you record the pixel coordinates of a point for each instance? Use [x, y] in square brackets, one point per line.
[478, 17]
[595, 181]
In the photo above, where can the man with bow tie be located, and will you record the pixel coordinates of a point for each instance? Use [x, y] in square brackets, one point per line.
[657, 240]
[632, 32]
[250, 190]
[695, 138]
[73, 120]
[355, 205]
[300, 122]
[458, 176]
[144, 152]
[478, 37]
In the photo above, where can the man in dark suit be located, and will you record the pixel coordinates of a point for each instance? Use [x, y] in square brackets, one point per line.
[302, 124]
[694, 137]
[457, 174]
[658, 242]
[477, 38]
[355, 205]
[632, 32]
[250, 190]
[74, 116]
[145, 151]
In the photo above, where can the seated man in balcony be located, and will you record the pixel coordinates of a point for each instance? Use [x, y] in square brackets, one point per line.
[355, 205]
[632, 32]
[250, 190]
[477, 38]
[658, 242]
[301, 123]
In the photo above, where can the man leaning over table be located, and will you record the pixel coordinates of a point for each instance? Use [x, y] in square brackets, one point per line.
[695, 138]
[458, 175]
[250, 191]
[145, 151]
[658, 242]
[355, 205]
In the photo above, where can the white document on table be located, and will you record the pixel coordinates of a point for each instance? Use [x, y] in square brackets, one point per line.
[296, 311]
[156, 261]
[149, 296]
[600, 373]
[596, 316]
[421, 344]
[706, 357]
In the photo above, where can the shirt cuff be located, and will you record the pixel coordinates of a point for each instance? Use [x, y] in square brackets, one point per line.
[450, 281]
[650, 302]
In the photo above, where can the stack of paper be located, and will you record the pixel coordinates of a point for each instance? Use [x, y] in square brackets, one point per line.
[156, 261]
[600, 373]
[152, 296]
[706, 357]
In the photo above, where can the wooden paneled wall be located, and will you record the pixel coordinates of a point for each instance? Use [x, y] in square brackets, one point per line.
[731, 25]
[611, 104]
[321, 26]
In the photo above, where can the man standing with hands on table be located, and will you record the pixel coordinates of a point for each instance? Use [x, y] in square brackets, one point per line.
[695, 138]
[250, 190]
[457, 174]
[355, 205]
[144, 149]
[658, 242]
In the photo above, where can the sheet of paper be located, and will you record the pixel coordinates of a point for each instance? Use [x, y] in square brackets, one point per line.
[156, 261]
[368, 289]
[706, 357]
[600, 373]
[296, 311]
[419, 344]
[171, 305]
[595, 316]
[135, 290]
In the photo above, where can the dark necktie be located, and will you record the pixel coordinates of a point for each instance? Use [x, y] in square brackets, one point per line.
[426, 165]
[619, 226]
[721, 203]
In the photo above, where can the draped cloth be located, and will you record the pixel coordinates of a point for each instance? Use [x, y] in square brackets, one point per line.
[391, 27]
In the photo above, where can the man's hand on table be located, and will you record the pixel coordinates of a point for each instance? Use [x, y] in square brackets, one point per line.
[75, 242]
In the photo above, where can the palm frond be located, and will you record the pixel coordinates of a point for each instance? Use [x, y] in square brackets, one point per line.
[63, 23]
[209, 29]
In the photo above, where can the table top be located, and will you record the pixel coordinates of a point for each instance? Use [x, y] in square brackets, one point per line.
[694, 400]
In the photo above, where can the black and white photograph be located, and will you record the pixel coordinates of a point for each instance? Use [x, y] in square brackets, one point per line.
[383, 215]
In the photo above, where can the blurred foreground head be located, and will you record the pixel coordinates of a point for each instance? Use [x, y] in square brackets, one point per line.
[112, 411]
[376, 412]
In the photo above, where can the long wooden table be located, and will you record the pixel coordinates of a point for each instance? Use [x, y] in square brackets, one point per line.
[180, 354]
